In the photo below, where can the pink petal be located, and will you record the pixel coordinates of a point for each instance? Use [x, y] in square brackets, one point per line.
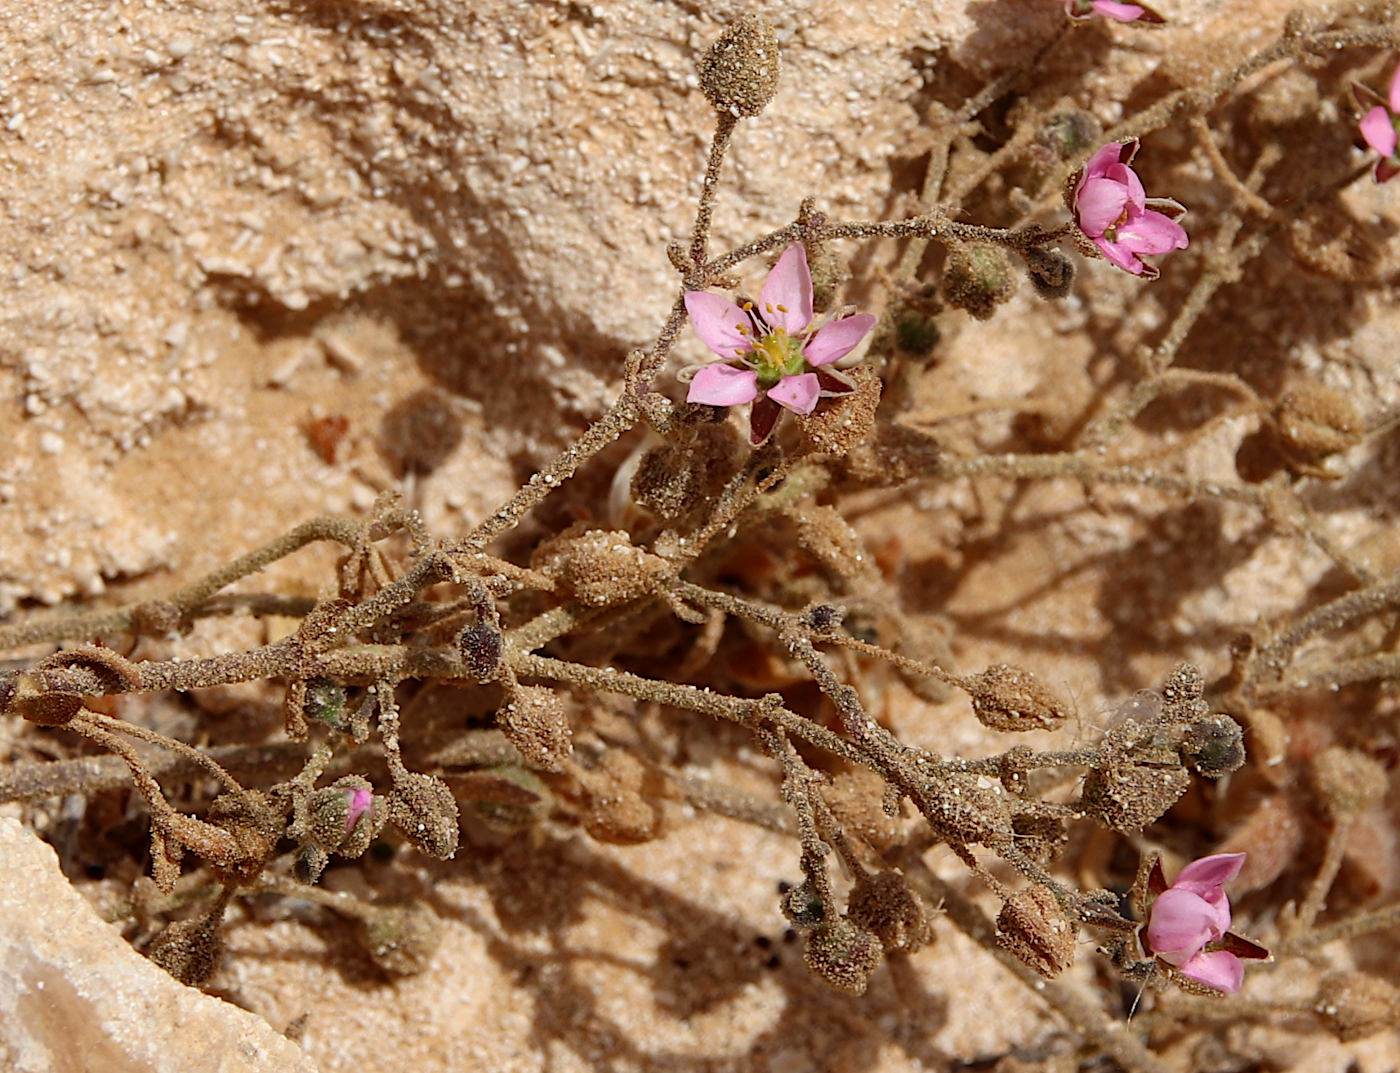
[1209, 873]
[1137, 196]
[1152, 232]
[721, 325]
[786, 297]
[1378, 129]
[797, 393]
[360, 802]
[1110, 154]
[1120, 256]
[1180, 925]
[1112, 10]
[837, 338]
[1219, 969]
[1099, 204]
[723, 385]
[1395, 90]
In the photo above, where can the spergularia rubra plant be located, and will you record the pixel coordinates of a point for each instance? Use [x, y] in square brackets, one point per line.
[771, 357]
[1113, 211]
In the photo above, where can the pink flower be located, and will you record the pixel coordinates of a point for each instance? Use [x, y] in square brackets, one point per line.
[1381, 126]
[1111, 9]
[1112, 210]
[358, 803]
[770, 356]
[1188, 924]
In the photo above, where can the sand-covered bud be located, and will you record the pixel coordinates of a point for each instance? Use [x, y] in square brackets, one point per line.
[190, 950]
[1128, 797]
[844, 954]
[480, 646]
[536, 723]
[345, 816]
[618, 804]
[977, 279]
[1051, 272]
[803, 905]
[1034, 927]
[739, 72]
[972, 809]
[1315, 421]
[1213, 747]
[325, 702]
[1347, 780]
[1355, 1005]
[308, 863]
[400, 938]
[844, 421]
[883, 904]
[1009, 698]
[425, 812]
[601, 567]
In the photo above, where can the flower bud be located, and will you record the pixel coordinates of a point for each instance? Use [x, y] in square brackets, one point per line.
[535, 722]
[1355, 1005]
[425, 812]
[308, 864]
[1035, 928]
[1347, 780]
[480, 645]
[325, 702]
[1185, 685]
[1051, 273]
[844, 954]
[400, 938]
[739, 72]
[1315, 421]
[803, 905]
[977, 279]
[883, 905]
[190, 950]
[1128, 797]
[1009, 698]
[345, 816]
[1213, 747]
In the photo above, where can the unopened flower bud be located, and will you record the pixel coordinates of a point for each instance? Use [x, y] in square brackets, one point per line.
[535, 722]
[345, 816]
[308, 864]
[1051, 272]
[978, 279]
[1035, 928]
[1009, 698]
[739, 72]
[884, 905]
[1315, 421]
[1185, 685]
[190, 950]
[844, 954]
[325, 702]
[425, 812]
[400, 938]
[1128, 797]
[480, 645]
[1213, 747]
[1347, 780]
[803, 905]
[1355, 1005]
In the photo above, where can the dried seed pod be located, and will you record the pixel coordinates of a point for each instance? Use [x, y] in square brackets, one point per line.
[1213, 747]
[844, 954]
[308, 864]
[1009, 698]
[256, 824]
[1128, 797]
[883, 905]
[1347, 780]
[601, 567]
[1355, 1005]
[967, 808]
[977, 279]
[480, 646]
[400, 938]
[846, 420]
[739, 72]
[536, 723]
[425, 812]
[1035, 928]
[1041, 838]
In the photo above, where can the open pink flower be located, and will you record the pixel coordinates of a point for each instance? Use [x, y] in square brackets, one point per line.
[1113, 211]
[771, 357]
[1381, 126]
[1188, 924]
[1112, 9]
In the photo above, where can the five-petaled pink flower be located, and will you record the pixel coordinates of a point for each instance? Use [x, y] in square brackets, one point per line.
[1188, 924]
[1112, 209]
[1381, 126]
[1112, 9]
[771, 357]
